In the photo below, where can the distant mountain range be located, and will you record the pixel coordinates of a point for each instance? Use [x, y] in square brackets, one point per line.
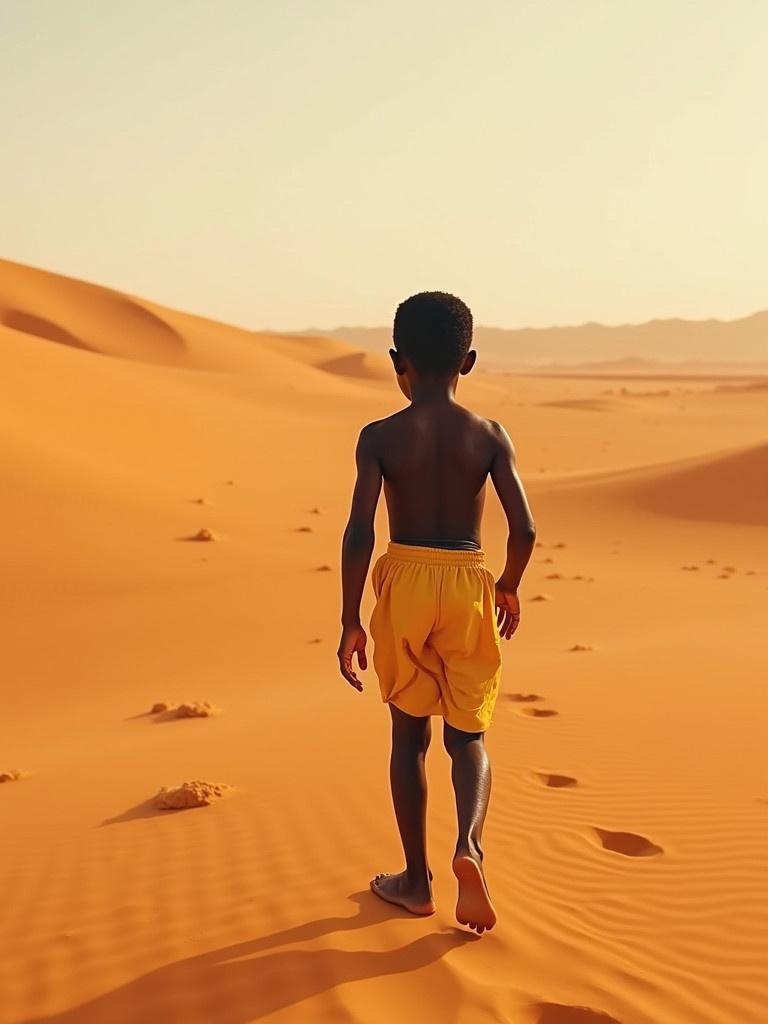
[671, 341]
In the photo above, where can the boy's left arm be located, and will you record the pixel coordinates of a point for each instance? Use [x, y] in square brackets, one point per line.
[356, 550]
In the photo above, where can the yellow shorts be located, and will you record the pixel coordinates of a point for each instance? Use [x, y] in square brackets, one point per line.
[437, 649]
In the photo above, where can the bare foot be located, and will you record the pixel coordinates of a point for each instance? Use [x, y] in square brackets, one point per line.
[396, 889]
[473, 907]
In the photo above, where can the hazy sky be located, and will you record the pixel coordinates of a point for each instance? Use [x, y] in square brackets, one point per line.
[288, 164]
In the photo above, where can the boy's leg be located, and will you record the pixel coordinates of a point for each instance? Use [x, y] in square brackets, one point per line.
[471, 778]
[411, 888]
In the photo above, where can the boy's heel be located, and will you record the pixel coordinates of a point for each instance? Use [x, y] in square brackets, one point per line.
[473, 906]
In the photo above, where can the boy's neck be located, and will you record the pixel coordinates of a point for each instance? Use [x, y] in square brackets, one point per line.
[433, 392]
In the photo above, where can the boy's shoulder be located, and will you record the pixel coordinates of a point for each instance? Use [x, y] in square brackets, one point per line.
[378, 429]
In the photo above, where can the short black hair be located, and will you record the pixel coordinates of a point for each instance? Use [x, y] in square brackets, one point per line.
[434, 330]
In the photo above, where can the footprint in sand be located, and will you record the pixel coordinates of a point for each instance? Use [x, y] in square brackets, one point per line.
[12, 775]
[627, 843]
[524, 697]
[324, 568]
[315, 640]
[314, 511]
[584, 579]
[556, 781]
[190, 794]
[561, 1013]
[541, 597]
[559, 545]
[539, 712]
[199, 501]
[689, 568]
[547, 561]
[581, 647]
[303, 529]
[556, 576]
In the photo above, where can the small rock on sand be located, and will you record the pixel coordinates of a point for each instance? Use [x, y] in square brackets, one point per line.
[204, 534]
[190, 794]
[197, 709]
[192, 709]
[12, 775]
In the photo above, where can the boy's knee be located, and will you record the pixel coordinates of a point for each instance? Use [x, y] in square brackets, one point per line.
[456, 740]
[410, 733]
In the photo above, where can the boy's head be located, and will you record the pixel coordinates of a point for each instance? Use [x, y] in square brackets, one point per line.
[433, 331]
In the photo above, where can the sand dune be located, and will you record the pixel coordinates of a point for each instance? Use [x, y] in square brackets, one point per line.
[731, 487]
[626, 842]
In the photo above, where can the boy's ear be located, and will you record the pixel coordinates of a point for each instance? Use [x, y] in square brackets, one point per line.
[469, 361]
[397, 361]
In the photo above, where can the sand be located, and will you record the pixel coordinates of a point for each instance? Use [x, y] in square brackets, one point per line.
[636, 894]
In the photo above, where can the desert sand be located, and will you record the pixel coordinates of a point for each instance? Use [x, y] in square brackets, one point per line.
[627, 838]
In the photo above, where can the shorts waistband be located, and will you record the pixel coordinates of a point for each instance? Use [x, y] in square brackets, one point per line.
[434, 556]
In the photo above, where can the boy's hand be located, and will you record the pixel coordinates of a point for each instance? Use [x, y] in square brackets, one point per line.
[507, 610]
[353, 639]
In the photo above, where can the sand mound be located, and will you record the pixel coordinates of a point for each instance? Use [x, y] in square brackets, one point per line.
[12, 775]
[190, 794]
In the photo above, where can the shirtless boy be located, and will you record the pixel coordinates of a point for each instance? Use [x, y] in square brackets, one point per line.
[440, 615]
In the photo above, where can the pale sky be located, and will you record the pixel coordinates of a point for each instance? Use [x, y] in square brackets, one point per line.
[309, 163]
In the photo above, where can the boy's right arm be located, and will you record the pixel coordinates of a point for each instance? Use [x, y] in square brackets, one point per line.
[522, 530]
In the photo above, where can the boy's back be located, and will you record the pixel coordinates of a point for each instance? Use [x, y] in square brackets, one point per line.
[435, 459]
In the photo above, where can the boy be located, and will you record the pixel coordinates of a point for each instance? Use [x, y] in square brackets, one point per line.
[439, 616]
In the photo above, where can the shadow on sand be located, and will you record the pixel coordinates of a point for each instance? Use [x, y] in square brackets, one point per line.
[251, 979]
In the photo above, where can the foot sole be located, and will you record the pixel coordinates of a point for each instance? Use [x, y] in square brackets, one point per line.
[473, 906]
